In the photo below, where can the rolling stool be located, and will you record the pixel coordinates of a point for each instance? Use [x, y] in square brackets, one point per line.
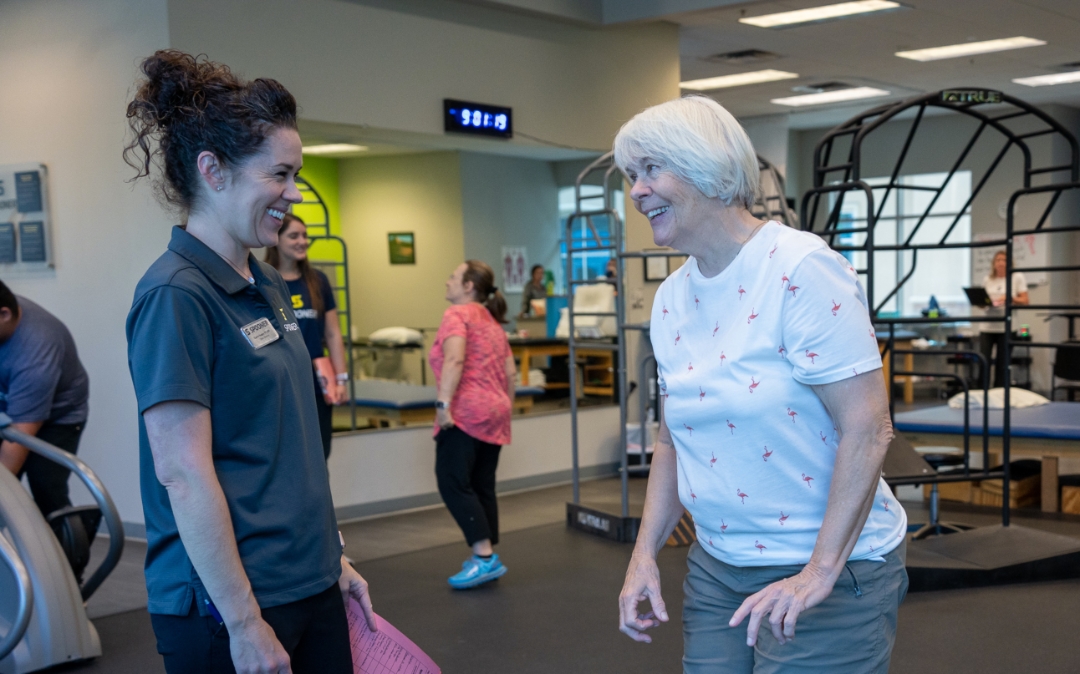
[938, 458]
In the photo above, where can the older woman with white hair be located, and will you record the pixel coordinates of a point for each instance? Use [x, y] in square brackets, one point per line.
[774, 421]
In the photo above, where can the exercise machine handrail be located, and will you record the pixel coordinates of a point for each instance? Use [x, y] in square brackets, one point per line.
[97, 490]
[26, 597]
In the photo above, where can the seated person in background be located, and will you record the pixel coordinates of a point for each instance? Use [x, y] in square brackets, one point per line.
[534, 289]
[44, 389]
[316, 311]
[991, 339]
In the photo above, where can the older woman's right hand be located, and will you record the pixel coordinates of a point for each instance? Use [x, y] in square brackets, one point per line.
[642, 583]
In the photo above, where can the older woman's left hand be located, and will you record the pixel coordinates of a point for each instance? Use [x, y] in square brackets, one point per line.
[783, 601]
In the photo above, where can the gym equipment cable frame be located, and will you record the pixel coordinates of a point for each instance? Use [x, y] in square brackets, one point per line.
[985, 106]
[770, 204]
[331, 265]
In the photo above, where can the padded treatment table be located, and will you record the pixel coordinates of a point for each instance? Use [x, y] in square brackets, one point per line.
[1050, 432]
[393, 403]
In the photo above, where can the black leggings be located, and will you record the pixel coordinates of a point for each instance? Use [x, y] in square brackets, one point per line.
[49, 480]
[313, 631]
[326, 419]
[465, 469]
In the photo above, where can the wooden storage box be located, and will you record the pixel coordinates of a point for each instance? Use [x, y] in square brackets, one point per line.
[1070, 500]
[1025, 493]
[953, 491]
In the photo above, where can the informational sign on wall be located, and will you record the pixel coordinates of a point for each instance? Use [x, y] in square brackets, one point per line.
[1029, 250]
[515, 269]
[25, 242]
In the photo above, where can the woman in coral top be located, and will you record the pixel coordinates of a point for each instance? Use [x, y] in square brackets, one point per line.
[474, 371]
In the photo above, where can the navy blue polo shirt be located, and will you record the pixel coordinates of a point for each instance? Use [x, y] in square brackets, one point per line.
[312, 326]
[185, 343]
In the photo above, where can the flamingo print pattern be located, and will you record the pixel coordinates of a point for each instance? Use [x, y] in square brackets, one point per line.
[760, 353]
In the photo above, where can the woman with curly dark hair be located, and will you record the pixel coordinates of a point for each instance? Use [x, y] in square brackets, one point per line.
[244, 565]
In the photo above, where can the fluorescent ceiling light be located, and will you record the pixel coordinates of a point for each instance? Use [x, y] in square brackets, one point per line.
[854, 93]
[756, 77]
[824, 13]
[334, 148]
[969, 49]
[1048, 80]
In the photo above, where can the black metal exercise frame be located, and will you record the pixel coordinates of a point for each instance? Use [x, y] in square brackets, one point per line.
[847, 171]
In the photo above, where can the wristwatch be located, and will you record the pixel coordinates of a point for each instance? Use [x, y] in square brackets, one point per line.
[442, 405]
[342, 377]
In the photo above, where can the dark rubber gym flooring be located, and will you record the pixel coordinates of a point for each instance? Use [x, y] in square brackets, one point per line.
[555, 611]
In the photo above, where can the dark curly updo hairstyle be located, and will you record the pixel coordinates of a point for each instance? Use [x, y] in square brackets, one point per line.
[484, 291]
[189, 104]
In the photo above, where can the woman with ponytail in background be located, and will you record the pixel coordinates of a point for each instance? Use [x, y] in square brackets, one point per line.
[474, 371]
[313, 303]
[244, 564]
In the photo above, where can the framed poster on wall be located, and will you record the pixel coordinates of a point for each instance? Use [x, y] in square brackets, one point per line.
[402, 248]
[515, 269]
[656, 268]
[25, 241]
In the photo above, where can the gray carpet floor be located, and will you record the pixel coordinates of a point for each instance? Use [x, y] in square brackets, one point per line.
[555, 611]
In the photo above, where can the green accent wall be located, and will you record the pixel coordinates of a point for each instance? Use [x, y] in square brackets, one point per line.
[322, 173]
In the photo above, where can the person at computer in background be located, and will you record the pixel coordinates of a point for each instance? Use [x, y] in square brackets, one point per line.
[992, 337]
[316, 312]
[534, 290]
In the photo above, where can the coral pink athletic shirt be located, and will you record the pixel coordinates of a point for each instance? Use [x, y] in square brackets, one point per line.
[481, 406]
[737, 354]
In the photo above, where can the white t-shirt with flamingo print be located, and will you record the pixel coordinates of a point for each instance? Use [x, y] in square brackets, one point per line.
[737, 355]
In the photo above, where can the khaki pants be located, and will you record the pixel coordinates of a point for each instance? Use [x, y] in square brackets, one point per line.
[852, 631]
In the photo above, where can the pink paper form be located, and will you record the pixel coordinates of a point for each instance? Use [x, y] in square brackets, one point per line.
[387, 651]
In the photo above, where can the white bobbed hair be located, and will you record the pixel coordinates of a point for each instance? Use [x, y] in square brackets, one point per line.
[700, 142]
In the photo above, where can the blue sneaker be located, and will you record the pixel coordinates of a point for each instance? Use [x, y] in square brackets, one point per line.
[476, 571]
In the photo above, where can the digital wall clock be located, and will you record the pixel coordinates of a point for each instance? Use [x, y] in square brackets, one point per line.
[477, 119]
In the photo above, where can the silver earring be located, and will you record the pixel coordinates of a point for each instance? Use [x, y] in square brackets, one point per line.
[220, 187]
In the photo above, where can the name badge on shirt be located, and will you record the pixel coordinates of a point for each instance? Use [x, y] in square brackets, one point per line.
[260, 333]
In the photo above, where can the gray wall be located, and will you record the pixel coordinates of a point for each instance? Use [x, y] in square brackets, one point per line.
[509, 202]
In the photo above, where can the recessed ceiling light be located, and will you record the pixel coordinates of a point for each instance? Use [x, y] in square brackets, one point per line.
[837, 96]
[756, 77]
[334, 148]
[824, 13]
[1048, 80]
[969, 49]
